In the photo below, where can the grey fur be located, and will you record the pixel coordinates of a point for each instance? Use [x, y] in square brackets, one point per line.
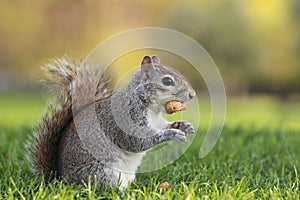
[128, 123]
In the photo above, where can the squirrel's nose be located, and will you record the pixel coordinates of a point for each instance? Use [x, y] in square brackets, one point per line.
[192, 94]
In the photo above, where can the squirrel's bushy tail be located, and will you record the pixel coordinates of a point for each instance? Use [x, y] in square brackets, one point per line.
[74, 86]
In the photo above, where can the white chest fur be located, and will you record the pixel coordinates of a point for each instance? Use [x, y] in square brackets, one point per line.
[126, 167]
[156, 120]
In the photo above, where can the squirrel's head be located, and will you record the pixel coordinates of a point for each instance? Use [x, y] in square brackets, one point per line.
[160, 84]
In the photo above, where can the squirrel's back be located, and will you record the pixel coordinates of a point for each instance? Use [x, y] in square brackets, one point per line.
[65, 77]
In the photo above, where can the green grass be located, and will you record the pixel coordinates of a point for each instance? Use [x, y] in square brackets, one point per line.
[256, 157]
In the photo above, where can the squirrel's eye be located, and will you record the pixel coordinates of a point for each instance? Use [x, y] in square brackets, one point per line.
[167, 81]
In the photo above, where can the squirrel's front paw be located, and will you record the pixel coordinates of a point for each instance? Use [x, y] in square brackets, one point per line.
[184, 126]
[174, 134]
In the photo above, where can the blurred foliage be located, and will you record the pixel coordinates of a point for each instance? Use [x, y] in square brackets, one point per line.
[18, 109]
[255, 44]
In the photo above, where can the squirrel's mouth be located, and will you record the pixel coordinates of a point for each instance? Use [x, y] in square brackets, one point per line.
[174, 106]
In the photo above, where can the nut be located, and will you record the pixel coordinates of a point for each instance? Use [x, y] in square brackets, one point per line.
[174, 106]
[175, 125]
[164, 185]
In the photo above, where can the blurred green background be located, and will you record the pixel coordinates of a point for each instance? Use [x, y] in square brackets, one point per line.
[255, 44]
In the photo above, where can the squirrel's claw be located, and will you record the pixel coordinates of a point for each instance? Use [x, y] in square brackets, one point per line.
[184, 126]
[175, 134]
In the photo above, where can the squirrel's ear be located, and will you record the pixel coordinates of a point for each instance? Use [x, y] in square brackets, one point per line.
[146, 60]
[155, 60]
[147, 67]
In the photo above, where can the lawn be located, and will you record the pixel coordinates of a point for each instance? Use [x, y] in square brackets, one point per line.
[256, 157]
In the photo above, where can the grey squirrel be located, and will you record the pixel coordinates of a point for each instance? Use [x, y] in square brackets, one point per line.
[130, 122]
